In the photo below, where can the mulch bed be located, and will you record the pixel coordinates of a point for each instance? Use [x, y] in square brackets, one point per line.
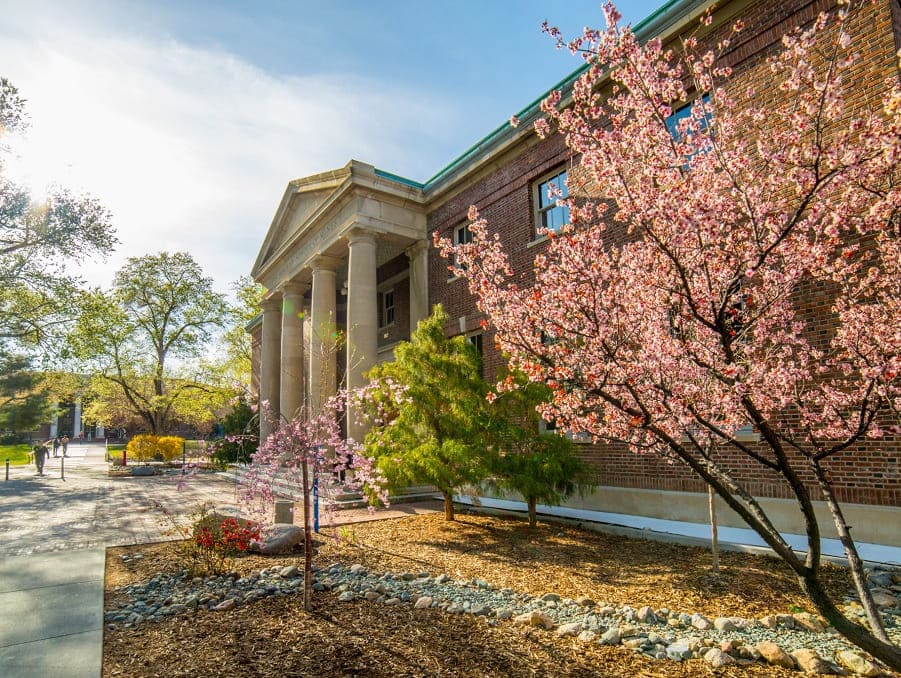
[276, 637]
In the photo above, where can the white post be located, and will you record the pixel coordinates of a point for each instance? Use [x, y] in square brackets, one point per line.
[323, 353]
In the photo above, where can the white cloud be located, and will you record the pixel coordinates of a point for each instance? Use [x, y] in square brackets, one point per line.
[191, 148]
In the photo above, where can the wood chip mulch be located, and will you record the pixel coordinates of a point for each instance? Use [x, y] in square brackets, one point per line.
[276, 637]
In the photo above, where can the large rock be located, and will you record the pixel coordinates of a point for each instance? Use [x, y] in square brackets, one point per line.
[883, 598]
[811, 662]
[611, 636]
[773, 654]
[278, 539]
[717, 658]
[809, 622]
[857, 664]
[571, 629]
[701, 622]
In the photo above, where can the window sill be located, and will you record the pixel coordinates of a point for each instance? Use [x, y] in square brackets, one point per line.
[538, 241]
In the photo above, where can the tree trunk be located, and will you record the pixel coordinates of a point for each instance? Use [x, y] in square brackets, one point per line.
[854, 562]
[533, 518]
[714, 536]
[307, 542]
[857, 634]
[448, 505]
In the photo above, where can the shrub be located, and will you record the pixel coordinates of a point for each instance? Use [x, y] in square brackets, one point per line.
[215, 540]
[146, 447]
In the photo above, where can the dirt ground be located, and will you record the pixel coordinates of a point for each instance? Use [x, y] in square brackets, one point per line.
[275, 637]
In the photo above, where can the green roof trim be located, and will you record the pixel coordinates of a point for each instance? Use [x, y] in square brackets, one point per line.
[396, 177]
[643, 29]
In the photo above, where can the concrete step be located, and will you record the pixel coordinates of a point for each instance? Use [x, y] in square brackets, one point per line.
[342, 497]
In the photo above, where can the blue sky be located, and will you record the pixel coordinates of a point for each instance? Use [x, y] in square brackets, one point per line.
[188, 118]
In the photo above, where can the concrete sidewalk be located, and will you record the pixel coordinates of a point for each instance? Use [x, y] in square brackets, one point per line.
[51, 608]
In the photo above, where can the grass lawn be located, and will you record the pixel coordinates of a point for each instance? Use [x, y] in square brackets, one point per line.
[17, 454]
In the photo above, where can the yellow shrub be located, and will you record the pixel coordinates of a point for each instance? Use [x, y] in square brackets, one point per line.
[142, 447]
[145, 447]
[170, 447]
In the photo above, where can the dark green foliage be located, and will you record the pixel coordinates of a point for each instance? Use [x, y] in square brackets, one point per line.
[542, 467]
[24, 402]
[239, 440]
[437, 434]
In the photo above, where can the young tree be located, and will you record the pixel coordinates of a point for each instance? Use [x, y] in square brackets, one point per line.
[299, 451]
[540, 466]
[677, 302]
[148, 335]
[432, 424]
[24, 397]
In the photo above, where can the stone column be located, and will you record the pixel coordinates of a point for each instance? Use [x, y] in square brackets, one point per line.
[418, 254]
[362, 317]
[76, 420]
[270, 361]
[323, 349]
[54, 422]
[291, 379]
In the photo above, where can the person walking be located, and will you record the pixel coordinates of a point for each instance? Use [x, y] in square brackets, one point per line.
[65, 443]
[56, 446]
[40, 453]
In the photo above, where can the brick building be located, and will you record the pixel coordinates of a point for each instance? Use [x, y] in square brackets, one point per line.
[350, 250]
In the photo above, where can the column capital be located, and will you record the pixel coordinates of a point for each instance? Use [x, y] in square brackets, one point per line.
[356, 235]
[323, 262]
[416, 249]
[293, 288]
[271, 303]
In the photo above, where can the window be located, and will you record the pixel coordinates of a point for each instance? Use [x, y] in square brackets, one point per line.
[550, 215]
[462, 236]
[672, 122]
[476, 340]
[550, 427]
[388, 308]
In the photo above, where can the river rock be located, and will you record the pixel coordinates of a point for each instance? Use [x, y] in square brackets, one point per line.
[588, 636]
[884, 598]
[773, 654]
[572, 629]
[226, 604]
[717, 658]
[584, 601]
[811, 662]
[856, 664]
[701, 622]
[611, 636]
[289, 571]
[346, 596]
[423, 603]
[646, 615]
[809, 622]
[535, 618]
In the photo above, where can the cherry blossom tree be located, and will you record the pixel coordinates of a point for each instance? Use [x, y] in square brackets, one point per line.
[672, 312]
[298, 451]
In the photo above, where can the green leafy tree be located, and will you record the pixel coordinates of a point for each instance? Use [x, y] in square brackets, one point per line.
[236, 340]
[146, 338]
[431, 424]
[39, 241]
[541, 466]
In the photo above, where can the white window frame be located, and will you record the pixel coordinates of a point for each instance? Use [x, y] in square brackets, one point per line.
[461, 235]
[553, 177]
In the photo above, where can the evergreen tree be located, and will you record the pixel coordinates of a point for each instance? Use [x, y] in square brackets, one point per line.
[432, 427]
[542, 466]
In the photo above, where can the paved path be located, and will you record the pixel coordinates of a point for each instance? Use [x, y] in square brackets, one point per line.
[54, 530]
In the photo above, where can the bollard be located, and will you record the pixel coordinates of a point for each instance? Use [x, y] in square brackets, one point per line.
[184, 455]
[315, 502]
[62, 468]
[124, 457]
[7, 469]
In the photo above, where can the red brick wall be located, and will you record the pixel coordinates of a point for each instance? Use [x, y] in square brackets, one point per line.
[869, 473]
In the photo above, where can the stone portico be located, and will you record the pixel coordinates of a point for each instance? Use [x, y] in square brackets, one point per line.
[338, 242]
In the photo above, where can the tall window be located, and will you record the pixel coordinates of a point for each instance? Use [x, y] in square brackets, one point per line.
[462, 236]
[388, 308]
[548, 191]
